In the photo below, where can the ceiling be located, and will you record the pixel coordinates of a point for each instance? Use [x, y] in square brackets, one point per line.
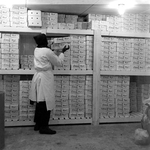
[83, 7]
[88, 9]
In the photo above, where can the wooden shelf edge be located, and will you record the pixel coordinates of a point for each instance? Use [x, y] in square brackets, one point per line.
[125, 119]
[90, 72]
[52, 122]
[31, 72]
[48, 31]
[130, 73]
[21, 30]
[74, 31]
[126, 34]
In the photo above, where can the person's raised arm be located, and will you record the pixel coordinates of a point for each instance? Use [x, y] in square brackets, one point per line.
[57, 60]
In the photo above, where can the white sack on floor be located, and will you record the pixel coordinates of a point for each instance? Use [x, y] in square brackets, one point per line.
[141, 137]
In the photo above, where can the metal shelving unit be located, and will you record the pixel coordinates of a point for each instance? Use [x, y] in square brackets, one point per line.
[49, 32]
[95, 72]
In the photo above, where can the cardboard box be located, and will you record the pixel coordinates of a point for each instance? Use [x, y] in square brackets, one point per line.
[34, 12]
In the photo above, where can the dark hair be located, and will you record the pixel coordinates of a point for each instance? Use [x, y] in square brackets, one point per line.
[41, 40]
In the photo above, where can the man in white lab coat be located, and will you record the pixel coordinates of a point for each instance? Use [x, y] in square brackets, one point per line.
[42, 87]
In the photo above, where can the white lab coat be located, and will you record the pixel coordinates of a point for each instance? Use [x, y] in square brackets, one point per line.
[42, 87]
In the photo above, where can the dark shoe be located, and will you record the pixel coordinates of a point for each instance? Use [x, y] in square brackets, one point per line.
[36, 127]
[46, 130]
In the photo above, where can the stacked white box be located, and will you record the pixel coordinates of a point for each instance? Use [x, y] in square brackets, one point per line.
[115, 23]
[80, 55]
[89, 52]
[11, 88]
[34, 18]
[10, 51]
[78, 52]
[81, 95]
[138, 55]
[81, 25]
[61, 95]
[18, 16]
[108, 96]
[71, 19]
[130, 54]
[129, 23]
[61, 18]
[122, 96]
[67, 21]
[147, 54]
[124, 53]
[109, 54]
[4, 16]
[98, 17]
[142, 23]
[76, 96]
[133, 97]
[88, 96]
[101, 25]
[49, 20]
[58, 88]
[27, 61]
[65, 97]
[73, 96]
[26, 111]
[115, 96]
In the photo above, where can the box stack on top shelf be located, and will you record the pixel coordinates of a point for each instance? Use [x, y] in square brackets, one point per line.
[49, 20]
[67, 21]
[5, 16]
[14, 17]
[128, 23]
[34, 18]
[18, 16]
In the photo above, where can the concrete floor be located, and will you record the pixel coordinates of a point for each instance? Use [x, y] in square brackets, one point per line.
[75, 137]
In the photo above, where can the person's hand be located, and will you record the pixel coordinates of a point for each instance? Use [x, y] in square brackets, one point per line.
[65, 48]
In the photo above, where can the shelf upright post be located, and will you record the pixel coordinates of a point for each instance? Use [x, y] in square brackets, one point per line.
[96, 76]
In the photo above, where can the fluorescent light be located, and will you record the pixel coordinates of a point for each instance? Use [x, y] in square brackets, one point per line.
[121, 9]
[128, 4]
[122, 5]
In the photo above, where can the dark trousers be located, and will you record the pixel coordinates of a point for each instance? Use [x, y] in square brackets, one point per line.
[42, 116]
